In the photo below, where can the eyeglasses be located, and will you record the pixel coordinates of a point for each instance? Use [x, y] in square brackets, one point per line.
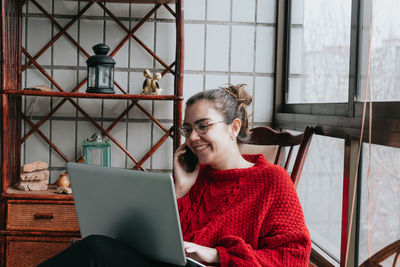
[201, 128]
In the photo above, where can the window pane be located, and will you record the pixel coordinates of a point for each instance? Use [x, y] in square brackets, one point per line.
[320, 192]
[384, 203]
[319, 51]
[385, 50]
[92, 77]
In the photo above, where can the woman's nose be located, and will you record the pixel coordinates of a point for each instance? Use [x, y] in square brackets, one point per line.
[193, 135]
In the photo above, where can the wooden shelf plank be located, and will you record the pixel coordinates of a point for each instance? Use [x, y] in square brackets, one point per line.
[50, 194]
[86, 95]
[28, 234]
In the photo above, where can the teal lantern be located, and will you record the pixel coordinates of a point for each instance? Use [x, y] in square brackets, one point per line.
[96, 151]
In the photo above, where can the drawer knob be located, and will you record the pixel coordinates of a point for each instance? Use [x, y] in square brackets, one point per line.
[44, 216]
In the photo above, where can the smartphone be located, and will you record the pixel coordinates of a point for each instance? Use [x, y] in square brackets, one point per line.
[189, 160]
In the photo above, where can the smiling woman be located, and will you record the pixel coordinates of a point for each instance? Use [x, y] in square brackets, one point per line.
[235, 210]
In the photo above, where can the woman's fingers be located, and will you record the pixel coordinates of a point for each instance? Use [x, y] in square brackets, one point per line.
[190, 250]
[188, 247]
[180, 150]
[201, 253]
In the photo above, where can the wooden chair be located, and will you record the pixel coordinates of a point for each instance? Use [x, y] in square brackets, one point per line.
[383, 254]
[316, 260]
[272, 144]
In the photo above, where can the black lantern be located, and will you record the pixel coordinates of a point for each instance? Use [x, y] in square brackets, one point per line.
[100, 71]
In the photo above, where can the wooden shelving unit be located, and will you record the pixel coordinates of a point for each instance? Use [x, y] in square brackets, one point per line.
[35, 238]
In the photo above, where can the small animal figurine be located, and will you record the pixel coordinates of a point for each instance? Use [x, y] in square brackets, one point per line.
[150, 84]
[147, 82]
[156, 90]
[96, 137]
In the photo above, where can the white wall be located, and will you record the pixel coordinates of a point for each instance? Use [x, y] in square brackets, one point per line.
[226, 41]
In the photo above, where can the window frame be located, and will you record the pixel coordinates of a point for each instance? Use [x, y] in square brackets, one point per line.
[340, 120]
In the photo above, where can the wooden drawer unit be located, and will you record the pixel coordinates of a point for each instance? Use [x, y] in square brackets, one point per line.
[41, 216]
[23, 251]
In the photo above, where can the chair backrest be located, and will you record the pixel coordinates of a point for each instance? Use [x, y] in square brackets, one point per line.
[383, 254]
[272, 144]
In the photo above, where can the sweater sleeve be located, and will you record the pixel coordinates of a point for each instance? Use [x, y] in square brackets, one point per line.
[233, 251]
[283, 238]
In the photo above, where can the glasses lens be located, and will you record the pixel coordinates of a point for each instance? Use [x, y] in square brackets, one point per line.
[185, 131]
[202, 128]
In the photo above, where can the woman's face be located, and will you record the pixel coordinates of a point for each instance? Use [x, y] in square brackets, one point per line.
[213, 147]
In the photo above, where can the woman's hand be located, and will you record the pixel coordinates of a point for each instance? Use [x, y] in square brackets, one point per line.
[201, 253]
[183, 180]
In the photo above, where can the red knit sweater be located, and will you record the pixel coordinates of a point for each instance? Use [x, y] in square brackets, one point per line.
[251, 216]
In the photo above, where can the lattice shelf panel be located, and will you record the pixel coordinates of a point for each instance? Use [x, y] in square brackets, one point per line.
[175, 68]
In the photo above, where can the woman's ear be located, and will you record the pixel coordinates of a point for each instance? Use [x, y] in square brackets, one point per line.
[235, 127]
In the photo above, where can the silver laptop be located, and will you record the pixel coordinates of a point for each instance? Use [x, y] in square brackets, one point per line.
[134, 207]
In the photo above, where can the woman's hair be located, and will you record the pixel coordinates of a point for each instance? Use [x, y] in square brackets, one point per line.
[232, 102]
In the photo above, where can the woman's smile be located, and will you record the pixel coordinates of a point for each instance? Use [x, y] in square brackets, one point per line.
[200, 148]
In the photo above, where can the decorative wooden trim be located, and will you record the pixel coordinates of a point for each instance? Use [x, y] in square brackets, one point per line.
[178, 90]
[153, 149]
[11, 21]
[59, 34]
[2, 216]
[130, 33]
[2, 249]
[32, 130]
[132, 1]
[67, 35]
[51, 144]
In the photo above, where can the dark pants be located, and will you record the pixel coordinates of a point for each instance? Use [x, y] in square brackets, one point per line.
[99, 251]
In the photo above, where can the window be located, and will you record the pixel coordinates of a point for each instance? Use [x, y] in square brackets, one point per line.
[379, 217]
[385, 50]
[319, 51]
[320, 192]
[322, 62]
